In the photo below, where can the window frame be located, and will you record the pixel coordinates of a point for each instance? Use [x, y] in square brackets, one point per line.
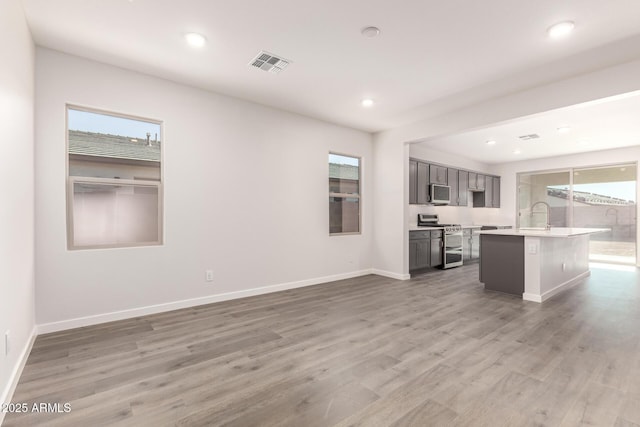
[71, 180]
[347, 195]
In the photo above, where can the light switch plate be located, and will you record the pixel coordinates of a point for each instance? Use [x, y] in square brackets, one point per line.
[533, 248]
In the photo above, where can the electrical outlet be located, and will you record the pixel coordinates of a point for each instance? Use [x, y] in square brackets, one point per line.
[7, 343]
[208, 275]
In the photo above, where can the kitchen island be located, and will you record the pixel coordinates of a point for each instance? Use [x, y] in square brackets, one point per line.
[534, 264]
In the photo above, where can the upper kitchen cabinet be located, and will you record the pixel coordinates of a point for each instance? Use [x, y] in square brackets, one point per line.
[452, 179]
[422, 183]
[476, 181]
[490, 197]
[437, 174]
[413, 182]
[486, 189]
[463, 188]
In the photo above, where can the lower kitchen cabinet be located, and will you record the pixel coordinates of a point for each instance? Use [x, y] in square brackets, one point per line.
[436, 251]
[470, 245]
[475, 246]
[425, 249]
[419, 253]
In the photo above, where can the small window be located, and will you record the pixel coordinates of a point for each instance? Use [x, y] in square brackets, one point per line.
[114, 182]
[344, 194]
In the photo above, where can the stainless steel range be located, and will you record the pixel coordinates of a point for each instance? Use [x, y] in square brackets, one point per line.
[451, 239]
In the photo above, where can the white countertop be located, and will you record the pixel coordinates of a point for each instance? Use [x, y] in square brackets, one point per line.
[553, 232]
[414, 227]
[421, 228]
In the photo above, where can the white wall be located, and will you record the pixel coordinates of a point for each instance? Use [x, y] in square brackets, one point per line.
[16, 187]
[245, 194]
[509, 172]
[391, 155]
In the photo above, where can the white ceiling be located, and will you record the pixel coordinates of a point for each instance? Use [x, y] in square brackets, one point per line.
[597, 125]
[432, 56]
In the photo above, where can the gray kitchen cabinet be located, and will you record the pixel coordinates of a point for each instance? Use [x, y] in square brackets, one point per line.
[463, 188]
[485, 189]
[475, 245]
[466, 245]
[473, 180]
[425, 249]
[422, 184]
[488, 192]
[470, 245]
[437, 174]
[452, 181]
[476, 181]
[490, 197]
[496, 192]
[436, 251]
[419, 253]
[413, 182]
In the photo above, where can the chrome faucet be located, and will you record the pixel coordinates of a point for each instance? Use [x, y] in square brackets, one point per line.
[548, 224]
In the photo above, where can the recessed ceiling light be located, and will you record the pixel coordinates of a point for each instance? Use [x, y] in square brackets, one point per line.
[583, 142]
[195, 39]
[370, 32]
[561, 29]
[517, 151]
[367, 102]
[564, 129]
[491, 142]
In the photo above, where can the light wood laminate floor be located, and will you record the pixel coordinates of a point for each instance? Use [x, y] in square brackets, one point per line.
[435, 350]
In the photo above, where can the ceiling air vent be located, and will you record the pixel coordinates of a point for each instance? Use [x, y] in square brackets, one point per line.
[529, 137]
[269, 62]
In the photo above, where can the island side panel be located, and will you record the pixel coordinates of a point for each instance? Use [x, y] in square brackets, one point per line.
[563, 263]
[502, 263]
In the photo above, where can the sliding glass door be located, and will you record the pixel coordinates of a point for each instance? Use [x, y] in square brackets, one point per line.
[597, 197]
[543, 199]
[606, 197]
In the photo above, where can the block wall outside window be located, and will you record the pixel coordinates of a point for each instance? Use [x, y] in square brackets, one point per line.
[114, 180]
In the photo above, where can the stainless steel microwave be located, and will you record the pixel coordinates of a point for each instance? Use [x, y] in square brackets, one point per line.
[440, 194]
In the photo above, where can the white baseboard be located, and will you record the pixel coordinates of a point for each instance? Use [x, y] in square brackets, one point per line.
[7, 393]
[566, 285]
[561, 287]
[531, 297]
[390, 274]
[176, 305]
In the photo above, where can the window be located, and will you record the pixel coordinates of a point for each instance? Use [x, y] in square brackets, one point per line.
[344, 194]
[114, 182]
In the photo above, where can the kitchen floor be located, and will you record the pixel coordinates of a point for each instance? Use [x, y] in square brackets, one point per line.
[434, 350]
